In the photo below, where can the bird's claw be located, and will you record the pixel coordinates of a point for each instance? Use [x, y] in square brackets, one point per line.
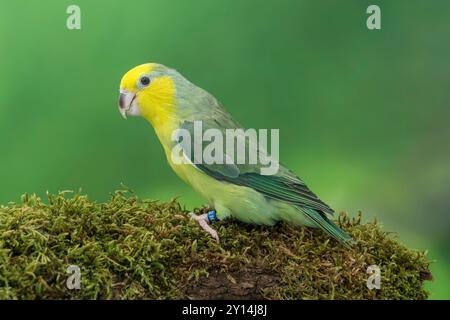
[203, 221]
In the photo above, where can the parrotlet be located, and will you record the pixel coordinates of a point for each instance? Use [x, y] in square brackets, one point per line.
[170, 102]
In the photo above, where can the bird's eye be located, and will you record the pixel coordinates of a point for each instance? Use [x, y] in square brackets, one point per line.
[145, 81]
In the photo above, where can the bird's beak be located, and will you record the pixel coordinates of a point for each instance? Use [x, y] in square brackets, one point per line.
[126, 100]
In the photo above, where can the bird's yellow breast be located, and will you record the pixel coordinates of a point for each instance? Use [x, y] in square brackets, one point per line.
[201, 182]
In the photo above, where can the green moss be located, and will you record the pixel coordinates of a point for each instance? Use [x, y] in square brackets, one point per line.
[135, 249]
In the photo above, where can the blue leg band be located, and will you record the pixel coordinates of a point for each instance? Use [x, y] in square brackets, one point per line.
[212, 216]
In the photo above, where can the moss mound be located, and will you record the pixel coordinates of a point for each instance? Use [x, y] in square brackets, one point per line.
[136, 249]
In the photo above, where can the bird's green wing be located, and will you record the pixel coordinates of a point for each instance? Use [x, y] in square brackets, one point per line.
[284, 186]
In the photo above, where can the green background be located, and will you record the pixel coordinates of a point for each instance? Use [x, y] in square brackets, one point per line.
[363, 115]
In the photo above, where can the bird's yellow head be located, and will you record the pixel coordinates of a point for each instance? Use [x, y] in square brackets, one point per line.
[149, 91]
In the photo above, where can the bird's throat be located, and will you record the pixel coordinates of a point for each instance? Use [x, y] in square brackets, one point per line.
[158, 106]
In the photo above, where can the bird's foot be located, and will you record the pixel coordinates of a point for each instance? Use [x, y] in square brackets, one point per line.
[204, 220]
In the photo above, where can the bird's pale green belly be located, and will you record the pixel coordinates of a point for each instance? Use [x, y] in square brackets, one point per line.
[243, 203]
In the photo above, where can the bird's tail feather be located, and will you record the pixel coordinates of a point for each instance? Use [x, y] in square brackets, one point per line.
[321, 221]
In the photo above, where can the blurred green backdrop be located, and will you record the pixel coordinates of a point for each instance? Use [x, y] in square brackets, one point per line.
[363, 115]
